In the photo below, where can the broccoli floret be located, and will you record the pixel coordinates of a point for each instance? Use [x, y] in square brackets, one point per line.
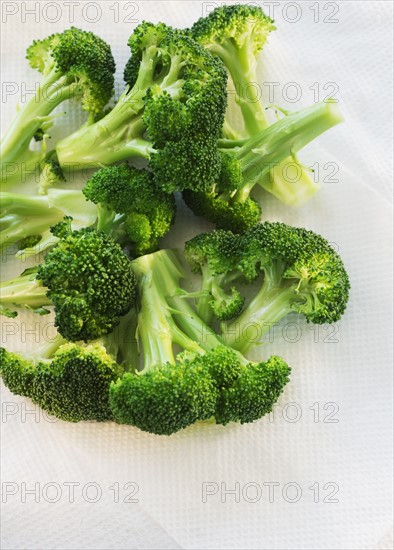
[173, 391]
[302, 273]
[233, 208]
[216, 256]
[74, 64]
[26, 220]
[86, 276]
[237, 34]
[69, 381]
[171, 113]
[146, 213]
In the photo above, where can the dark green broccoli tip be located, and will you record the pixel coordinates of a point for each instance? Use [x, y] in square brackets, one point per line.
[90, 280]
[149, 211]
[74, 386]
[252, 392]
[226, 305]
[165, 399]
[225, 214]
[17, 373]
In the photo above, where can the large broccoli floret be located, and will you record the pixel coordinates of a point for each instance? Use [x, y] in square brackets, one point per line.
[74, 64]
[237, 34]
[216, 256]
[302, 273]
[86, 276]
[171, 113]
[130, 203]
[174, 391]
[69, 381]
[229, 206]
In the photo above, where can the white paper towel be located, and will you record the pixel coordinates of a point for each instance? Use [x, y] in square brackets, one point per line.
[316, 473]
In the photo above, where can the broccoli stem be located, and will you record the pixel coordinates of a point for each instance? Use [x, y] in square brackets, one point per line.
[268, 307]
[33, 115]
[119, 135]
[25, 292]
[284, 138]
[159, 276]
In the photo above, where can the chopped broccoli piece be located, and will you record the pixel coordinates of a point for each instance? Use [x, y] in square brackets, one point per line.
[302, 273]
[171, 113]
[175, 390]
[237, 34]
[74, 64]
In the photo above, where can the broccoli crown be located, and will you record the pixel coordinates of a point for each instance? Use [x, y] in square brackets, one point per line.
[16, 372]
[51, 174]
[225, 214]
[74, 386]
[249, 393]
[226, 305]
[230, 178]
[91, 282]
[127, 190]
[166, 398]
[237, 25]
[304, 264]
[83, 58]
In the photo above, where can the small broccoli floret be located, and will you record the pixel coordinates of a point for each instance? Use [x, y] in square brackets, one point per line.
[86, 276]
[230, 206]
[51, 174]
[216, 256]
[26, 220]
[90, 281]
[302, 273]
[171, 113]
[237, 34]
[74, 64]
[130, 203]
[17, 372]
[175, 390]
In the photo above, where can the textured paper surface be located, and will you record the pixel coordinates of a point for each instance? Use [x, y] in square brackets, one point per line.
[332, 424]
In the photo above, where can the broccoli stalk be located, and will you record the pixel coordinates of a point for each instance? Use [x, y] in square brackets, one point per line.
[228, 203]
[171, 113]
[237, 34]
[74, 64]
[26, 220]
[24, 289]
[205, 379]
[302, 273]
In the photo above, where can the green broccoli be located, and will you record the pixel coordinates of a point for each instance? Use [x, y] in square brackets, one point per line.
[228, 203]
[237, 34]
[75, 64]
[70, 381]
[51, 174]
[302, 273]
[216, 256]
[86, 276]
[205, 379]
[171, 113]
[130, 204]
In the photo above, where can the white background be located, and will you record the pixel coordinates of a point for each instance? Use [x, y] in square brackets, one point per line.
[351, 369]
